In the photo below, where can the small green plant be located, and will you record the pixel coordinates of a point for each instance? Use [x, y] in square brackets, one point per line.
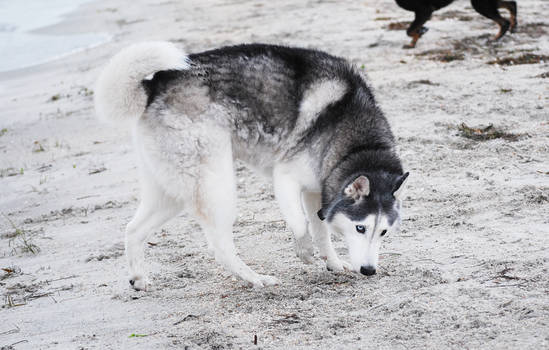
[134, 335]
[9, 172]
[21, 240]
[38, 147]
[3, 131]
[43, 179]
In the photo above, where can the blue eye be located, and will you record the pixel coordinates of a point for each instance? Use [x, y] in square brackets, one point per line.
[360, 229]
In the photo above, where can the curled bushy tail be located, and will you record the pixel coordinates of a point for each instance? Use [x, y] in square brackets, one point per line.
[119, 93]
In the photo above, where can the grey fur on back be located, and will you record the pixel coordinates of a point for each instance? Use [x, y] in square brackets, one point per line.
[260, 89]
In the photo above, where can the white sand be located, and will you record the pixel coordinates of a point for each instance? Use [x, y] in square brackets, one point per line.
[469, 268]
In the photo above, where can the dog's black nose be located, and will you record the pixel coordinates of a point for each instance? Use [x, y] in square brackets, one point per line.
[367, 270]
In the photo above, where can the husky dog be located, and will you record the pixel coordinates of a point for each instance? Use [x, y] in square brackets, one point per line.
[304, 117]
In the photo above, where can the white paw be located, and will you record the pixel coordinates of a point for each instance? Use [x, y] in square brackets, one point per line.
[338, 265]
[139, 282]
[269, 280]
[304, 249]
[261, 281]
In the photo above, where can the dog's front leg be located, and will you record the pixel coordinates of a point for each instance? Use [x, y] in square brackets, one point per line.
[288, 194]
[311, 203]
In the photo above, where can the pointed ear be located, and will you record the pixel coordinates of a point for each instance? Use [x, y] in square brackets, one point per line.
[400, 186]
[358, 188]
[321, 215]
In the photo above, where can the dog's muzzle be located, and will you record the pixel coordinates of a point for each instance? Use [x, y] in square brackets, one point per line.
[367, 270]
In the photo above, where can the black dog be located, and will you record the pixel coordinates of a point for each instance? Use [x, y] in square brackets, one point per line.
[488, 8]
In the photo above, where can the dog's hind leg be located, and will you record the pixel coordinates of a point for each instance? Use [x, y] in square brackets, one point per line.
[214, 202]
[489, 9]
[155, 208]
[511, 6]
[416, 29]
[312, 203]
[288, 195]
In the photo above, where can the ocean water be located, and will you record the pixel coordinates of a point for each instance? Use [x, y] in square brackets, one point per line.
[21, 47]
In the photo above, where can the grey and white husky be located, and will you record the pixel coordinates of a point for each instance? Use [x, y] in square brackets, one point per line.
[303, 117]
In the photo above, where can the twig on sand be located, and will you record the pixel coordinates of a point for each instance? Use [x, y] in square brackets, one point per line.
[73, 298]
[88, 196]
[36, 296]
[10, 303]
[97, 170]
[11, 331]
[62, 278]
[186, 318]
[508, 285]
[18, 342]
[503, 274]
[287, 318]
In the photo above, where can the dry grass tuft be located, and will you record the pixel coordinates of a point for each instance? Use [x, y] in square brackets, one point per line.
[489, 132]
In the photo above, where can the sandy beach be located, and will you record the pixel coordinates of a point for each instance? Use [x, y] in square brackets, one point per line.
[467, 270]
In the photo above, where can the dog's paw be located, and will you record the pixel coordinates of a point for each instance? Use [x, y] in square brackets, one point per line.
[305, 255]
[261, 281]
[338, 265]
[304, 249]
[269, 280]
[139, 282]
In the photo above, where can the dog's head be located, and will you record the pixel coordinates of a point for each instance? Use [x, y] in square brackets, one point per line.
[366, 209]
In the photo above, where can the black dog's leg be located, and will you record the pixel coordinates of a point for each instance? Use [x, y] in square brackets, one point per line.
[489, 9]
[416, 29]
[511, 6]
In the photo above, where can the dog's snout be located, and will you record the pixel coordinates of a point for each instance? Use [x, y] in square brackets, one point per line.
[367, 270]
